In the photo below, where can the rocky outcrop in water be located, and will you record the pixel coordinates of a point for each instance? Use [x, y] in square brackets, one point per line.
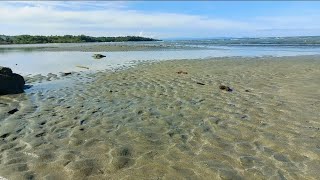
[10, 83]
[98, 56]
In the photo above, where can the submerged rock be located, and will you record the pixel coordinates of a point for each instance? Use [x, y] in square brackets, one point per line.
[10, 83]
[98, 56]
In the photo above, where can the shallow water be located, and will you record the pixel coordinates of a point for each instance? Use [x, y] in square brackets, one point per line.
[149, 122]
[44, 62]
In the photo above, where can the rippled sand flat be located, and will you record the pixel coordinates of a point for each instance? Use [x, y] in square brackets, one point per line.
[150, 122]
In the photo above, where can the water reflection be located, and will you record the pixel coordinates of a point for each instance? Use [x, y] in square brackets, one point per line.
[26, 61]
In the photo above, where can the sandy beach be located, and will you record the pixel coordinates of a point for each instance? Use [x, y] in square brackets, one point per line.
[169, 120]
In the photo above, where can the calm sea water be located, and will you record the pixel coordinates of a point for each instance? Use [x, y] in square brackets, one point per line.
[43, 62]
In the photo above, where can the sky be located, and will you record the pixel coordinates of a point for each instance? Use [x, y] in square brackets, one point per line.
[161, 19]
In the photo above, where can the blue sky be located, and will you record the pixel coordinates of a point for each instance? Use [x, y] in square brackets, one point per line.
[169, 19]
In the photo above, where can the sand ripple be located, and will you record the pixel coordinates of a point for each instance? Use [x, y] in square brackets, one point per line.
[150, 122]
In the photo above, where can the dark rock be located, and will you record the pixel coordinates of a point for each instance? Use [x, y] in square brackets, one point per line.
[98, 56]
[66, 74]
[201, 83]
[244, 117]
[225, 88]
[10, 83]
[4, 135]
[13, 111]
[82, 122]
[40, 134]
[5, 71]
[182, 72]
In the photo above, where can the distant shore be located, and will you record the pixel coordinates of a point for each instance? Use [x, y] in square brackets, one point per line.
[28, 39]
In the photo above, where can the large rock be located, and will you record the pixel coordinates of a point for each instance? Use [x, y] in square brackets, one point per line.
[10, 83]
[5, 71]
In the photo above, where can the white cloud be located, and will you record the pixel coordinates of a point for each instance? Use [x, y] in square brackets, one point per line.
[73, 5]
[291, 22]
[116, 18]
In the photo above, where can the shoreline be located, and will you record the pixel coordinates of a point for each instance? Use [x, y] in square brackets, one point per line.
[56, 76]
[150, 118]
[95, 47]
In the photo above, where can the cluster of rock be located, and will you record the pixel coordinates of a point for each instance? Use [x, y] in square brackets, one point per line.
[10, 83]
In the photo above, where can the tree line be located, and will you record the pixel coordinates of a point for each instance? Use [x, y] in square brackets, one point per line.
[28, 39]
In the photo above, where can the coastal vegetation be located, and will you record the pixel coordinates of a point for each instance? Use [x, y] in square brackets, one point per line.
[28, 39]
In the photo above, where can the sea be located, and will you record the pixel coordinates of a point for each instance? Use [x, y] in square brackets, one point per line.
[35, 61]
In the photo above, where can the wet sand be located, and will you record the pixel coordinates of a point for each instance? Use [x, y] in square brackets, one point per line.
[150, 122]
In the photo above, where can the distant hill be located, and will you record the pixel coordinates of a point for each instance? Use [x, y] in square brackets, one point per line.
[28, 39]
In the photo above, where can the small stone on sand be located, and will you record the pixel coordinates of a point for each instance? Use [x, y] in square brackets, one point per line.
[226, 88]
[13, 111]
